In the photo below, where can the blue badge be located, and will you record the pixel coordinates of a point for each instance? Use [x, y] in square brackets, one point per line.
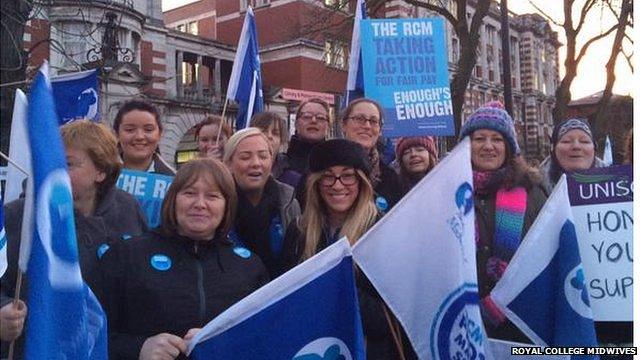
[126, 236]
[161, 262]
[102, 249]
[242, 252]
[382, 204]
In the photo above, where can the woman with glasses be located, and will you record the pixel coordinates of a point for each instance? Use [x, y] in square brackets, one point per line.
[340, 203]
[362, 123]
[312, 127]
[265, 205]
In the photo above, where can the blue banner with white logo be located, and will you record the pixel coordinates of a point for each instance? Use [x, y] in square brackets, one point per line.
[406, 70]
[76, 96]
[65, 321]
[310, 312]
[544, 289]
[148, 188]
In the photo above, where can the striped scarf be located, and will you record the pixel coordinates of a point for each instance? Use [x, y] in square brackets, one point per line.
[509, 221]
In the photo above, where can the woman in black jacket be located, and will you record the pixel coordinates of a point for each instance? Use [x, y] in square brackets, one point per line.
[507, 199]
[163, 286]
[340, 203]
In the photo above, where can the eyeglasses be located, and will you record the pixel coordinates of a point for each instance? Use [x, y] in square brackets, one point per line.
[347, 179]
[307, 117]
[363, 120]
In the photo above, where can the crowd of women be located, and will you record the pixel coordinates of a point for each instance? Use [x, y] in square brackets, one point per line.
[244, 213]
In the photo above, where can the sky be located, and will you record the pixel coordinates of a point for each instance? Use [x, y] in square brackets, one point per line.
[591, 71]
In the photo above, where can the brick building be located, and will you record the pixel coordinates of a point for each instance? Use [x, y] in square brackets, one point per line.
[181, 59]
[305, 45]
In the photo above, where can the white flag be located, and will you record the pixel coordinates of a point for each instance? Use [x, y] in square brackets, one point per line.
[421, 259]
[19, 150]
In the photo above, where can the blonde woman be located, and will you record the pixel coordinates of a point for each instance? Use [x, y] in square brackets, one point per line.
[340, 203]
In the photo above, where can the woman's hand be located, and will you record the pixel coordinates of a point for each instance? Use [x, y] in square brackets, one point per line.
[162, 347]
[190, 334]
[12, 320]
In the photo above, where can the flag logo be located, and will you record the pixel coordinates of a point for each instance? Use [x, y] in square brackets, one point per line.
[575, 290]
[464, 201]
[454, 334]
[55, 211]
[326, 348]
[464, 198]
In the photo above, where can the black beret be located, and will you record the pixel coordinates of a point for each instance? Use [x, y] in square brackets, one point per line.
[337, 152]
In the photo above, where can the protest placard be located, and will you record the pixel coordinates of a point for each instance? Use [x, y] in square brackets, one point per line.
[148, 188]
[602, 206]
[405, 70]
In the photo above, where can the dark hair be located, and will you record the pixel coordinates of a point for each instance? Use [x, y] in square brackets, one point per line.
[264, 119]
[189, 174]
[349, 109]
[318, 101]
[139, 105]
[213, 120]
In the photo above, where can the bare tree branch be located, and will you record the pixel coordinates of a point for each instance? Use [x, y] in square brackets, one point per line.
[437, 9]
[586, 45]
[628, 58]
[544, 14]
[583, 13]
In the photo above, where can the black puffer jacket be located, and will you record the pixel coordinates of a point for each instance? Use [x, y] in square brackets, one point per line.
[160, 284]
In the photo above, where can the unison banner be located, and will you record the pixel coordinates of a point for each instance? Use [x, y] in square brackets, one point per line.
[602, 206]
[148, 188]
[406, 71]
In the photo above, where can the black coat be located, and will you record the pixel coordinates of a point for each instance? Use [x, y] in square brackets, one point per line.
[294, 166]
[389, 187]
[203, 279]
[379, 340]
[117, 216]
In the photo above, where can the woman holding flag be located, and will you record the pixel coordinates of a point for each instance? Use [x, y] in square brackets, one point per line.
[362, 123]
[103, 213]
[163, 286]
[507, 200]
[139, 129]
[340, 203]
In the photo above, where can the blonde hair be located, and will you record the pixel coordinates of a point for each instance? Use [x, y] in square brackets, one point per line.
[235, 139]
[360, 217]
[97, 140]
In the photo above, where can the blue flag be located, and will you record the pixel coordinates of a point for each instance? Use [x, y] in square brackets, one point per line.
[309, 313]
[245, 84]
[65, 320]
[355, 82]
[76, 96]
[543, 290]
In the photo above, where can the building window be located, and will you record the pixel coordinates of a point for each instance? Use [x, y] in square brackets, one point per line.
[181, 28]
[478, 71]
[336, 54]
[254, 3]
[337, 4]
[193, 28]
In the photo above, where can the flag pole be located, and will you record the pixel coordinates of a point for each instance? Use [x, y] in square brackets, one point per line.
[4, 156]
[224, 110]
[16, 298]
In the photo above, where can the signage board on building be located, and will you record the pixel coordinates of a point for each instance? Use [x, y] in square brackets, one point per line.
[406, 71]
[602, 206]
[304, 95]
